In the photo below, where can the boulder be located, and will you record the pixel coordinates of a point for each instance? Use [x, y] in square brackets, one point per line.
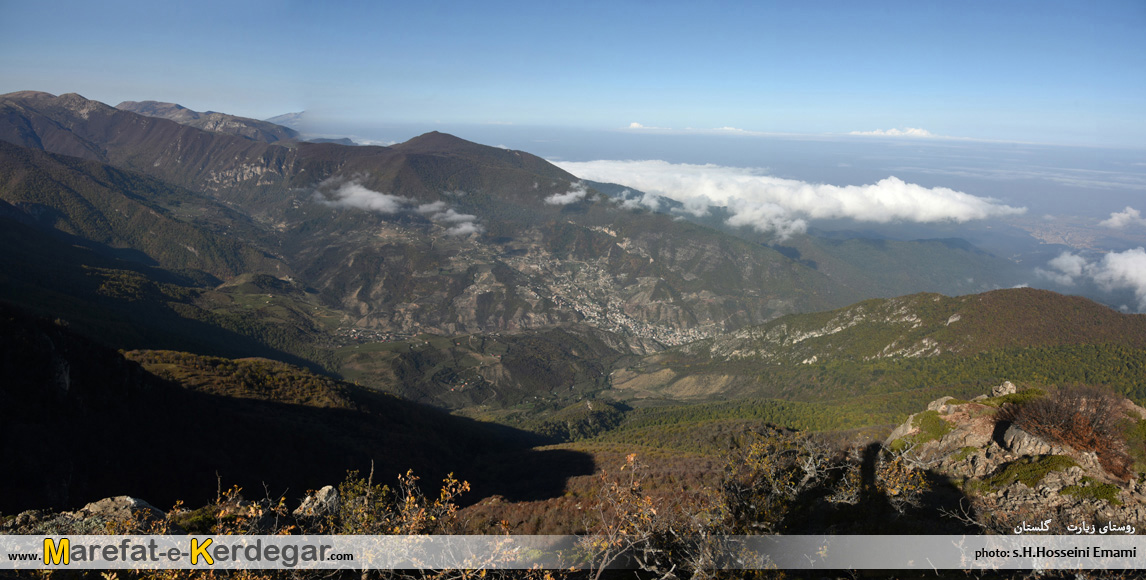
[320, 503]
[1023, 443]
[939, 405]
[1007, 388]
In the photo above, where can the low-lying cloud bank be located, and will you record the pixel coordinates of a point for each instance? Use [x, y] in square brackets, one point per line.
[353, 194]
[1115, 271]
[782, 206]
[576, 193]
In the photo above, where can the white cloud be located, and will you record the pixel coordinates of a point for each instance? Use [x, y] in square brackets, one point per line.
[365, 141]
[354, 194]
[907, 132]
[647, 200]
[772, 204]
[767, 217]
[1126, 217]
[452, 217]
[434, 207]
[639, 127]
[1115, 271]
[1070, 264]
[1066, 268]
[575, 194]
[1123, 270]
[729, 130]
[1056, 277]
[461, 224]
[464, 229]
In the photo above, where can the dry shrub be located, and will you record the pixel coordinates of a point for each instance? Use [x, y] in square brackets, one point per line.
[1083, 418]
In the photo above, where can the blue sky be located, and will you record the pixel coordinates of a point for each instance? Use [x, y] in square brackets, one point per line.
[1069, 73]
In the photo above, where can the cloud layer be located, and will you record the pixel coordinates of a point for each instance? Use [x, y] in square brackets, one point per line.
[907, 132]
[782, 206]
[1115, 271]
[353, 194]
[1126, 217]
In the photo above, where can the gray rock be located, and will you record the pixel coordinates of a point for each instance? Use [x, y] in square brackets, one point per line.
[121, 507]
[322, 502]
[902, 431]
[939, 404]
[1007, 388]
[961, 438]
[980, 466]
[1023, 443]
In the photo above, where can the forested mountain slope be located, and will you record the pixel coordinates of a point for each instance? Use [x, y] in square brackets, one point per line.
[906, 343]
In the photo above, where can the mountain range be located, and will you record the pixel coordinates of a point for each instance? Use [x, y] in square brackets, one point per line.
[212, 121]
[541, 247]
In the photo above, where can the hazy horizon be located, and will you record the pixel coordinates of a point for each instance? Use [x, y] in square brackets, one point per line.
[1069, 73]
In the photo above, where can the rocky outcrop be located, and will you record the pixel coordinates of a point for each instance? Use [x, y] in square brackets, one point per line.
[93, 518]
[125, 515]
[119, 507]
[1010, 474]
[1007, 388]
[1022, 443]
[320, 503]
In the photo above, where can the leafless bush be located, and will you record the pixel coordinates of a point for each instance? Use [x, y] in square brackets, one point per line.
[1083, 418]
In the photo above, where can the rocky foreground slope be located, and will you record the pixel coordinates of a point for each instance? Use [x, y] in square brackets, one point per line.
[1066, 461]
[1062, 462]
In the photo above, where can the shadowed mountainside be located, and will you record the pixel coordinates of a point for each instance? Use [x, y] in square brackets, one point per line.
[81, 422]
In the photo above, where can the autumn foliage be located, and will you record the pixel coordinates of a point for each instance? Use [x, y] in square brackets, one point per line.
[1083, 418]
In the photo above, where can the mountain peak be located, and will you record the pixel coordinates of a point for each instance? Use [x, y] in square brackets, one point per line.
[81, 105]
[28, 95]
[292, 120]
[73, 101]
[437, 142]
[172, 111]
